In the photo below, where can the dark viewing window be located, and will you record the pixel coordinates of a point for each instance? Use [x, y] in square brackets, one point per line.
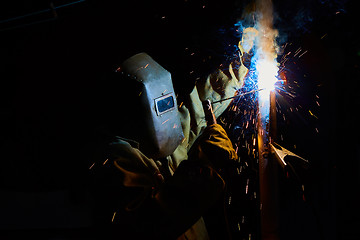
[165, 104]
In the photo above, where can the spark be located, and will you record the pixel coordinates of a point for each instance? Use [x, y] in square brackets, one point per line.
[165, 121]
[105, 161]
[91, 166]
[303, 54]
[113, 217]
[313, 115]
[215, 108]
[297, 51]
[247, 186]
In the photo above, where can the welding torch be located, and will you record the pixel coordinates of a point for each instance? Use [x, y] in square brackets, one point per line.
[209, 113]
[207, 105]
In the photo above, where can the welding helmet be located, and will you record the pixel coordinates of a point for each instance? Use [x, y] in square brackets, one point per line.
[147, 97]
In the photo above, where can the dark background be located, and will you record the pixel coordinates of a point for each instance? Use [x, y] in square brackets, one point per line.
[54, 95]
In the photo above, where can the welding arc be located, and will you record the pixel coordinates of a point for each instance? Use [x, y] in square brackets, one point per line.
[239, 95]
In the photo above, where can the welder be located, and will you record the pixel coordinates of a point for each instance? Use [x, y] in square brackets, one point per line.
[166, 151]
[166, 158]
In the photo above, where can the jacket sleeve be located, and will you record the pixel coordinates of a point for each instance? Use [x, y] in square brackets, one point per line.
[215, 148]
[163, 209]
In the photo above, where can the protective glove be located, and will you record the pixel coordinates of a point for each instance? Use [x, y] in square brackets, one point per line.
[137, 169]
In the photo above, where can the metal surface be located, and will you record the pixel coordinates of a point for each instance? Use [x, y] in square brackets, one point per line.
[163, 131]
[268, 182]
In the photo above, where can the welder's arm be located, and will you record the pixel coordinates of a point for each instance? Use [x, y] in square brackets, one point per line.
[214, 147]
[196, 184]
[176, 206]
[164, 209]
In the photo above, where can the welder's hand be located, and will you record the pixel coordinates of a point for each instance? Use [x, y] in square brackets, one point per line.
[216, 148]
[137, 169]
